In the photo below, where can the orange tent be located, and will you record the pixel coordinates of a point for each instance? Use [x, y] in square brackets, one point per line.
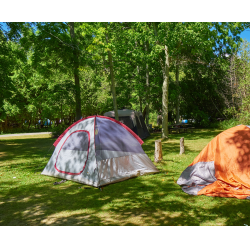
[222, 168]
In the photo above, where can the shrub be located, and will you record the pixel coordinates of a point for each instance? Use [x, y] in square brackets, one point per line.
[57, 131]
[226, 124]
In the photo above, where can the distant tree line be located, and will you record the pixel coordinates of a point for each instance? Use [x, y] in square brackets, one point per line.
[65, 71]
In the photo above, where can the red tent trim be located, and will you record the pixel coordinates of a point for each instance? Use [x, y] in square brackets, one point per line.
[71, 126]
[124, 126]
[105, 117]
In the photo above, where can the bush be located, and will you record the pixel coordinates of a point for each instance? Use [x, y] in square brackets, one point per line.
[155, 129]
[201, 119]
[153, 118]
[24, 129]
[57, 131]
[226, 124]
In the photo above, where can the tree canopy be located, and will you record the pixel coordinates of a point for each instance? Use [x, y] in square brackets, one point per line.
[65, 70]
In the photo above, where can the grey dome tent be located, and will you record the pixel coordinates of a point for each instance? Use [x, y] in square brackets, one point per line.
[97, 151]
[132, 119]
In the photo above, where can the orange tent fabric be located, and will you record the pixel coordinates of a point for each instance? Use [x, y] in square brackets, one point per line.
[230, 152]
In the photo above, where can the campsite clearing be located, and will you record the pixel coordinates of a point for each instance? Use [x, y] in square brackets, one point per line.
[32, 199]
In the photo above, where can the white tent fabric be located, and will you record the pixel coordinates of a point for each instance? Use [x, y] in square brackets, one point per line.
[98, 151]
[89, 175]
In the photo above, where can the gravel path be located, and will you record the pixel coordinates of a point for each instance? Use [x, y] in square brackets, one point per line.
[24, 134]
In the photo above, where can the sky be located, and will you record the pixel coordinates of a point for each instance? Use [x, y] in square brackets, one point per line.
[246, 35]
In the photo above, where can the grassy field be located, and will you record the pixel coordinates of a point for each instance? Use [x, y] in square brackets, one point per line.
[31, 198]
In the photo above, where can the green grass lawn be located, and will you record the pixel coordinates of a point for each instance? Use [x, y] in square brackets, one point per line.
[32, 199]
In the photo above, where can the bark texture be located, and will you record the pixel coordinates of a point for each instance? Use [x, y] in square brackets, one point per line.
[177, 106]
[165, 86]
[182, 148]
[147, 87]
[140, 100]
[165, 70]
[76, 73]
[111, 67]
[158, 151]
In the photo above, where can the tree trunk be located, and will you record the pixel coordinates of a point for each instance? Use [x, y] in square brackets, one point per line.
[177, 106]
[78, 98]
[112, 80]
[158, 151]
[147, 88]
[139, 81]
[6, 124]
[165, 71]
[231, 78]
[140, 101]
[29, 124]
[76, 73]
[235, 84]
[165, 86]
[57, 121]
[182, 149]
[61, 114]
[70, 119]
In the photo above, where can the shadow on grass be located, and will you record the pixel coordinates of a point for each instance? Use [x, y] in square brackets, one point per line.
[145, 200]
[14, 149]
[132, 202]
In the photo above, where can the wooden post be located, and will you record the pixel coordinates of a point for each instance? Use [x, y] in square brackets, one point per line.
[182, 149]
[158, 151]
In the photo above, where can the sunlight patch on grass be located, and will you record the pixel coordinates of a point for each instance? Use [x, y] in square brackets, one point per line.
[34, 210]
[69, 216]
[25, 137]
[2, 154]
[214, 222]
[25, 199]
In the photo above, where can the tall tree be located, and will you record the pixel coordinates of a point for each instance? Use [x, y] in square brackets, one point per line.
[177, 105]
[200, 42]
[76, 70]
[61, 47]
[112, 76]
[147, 86]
